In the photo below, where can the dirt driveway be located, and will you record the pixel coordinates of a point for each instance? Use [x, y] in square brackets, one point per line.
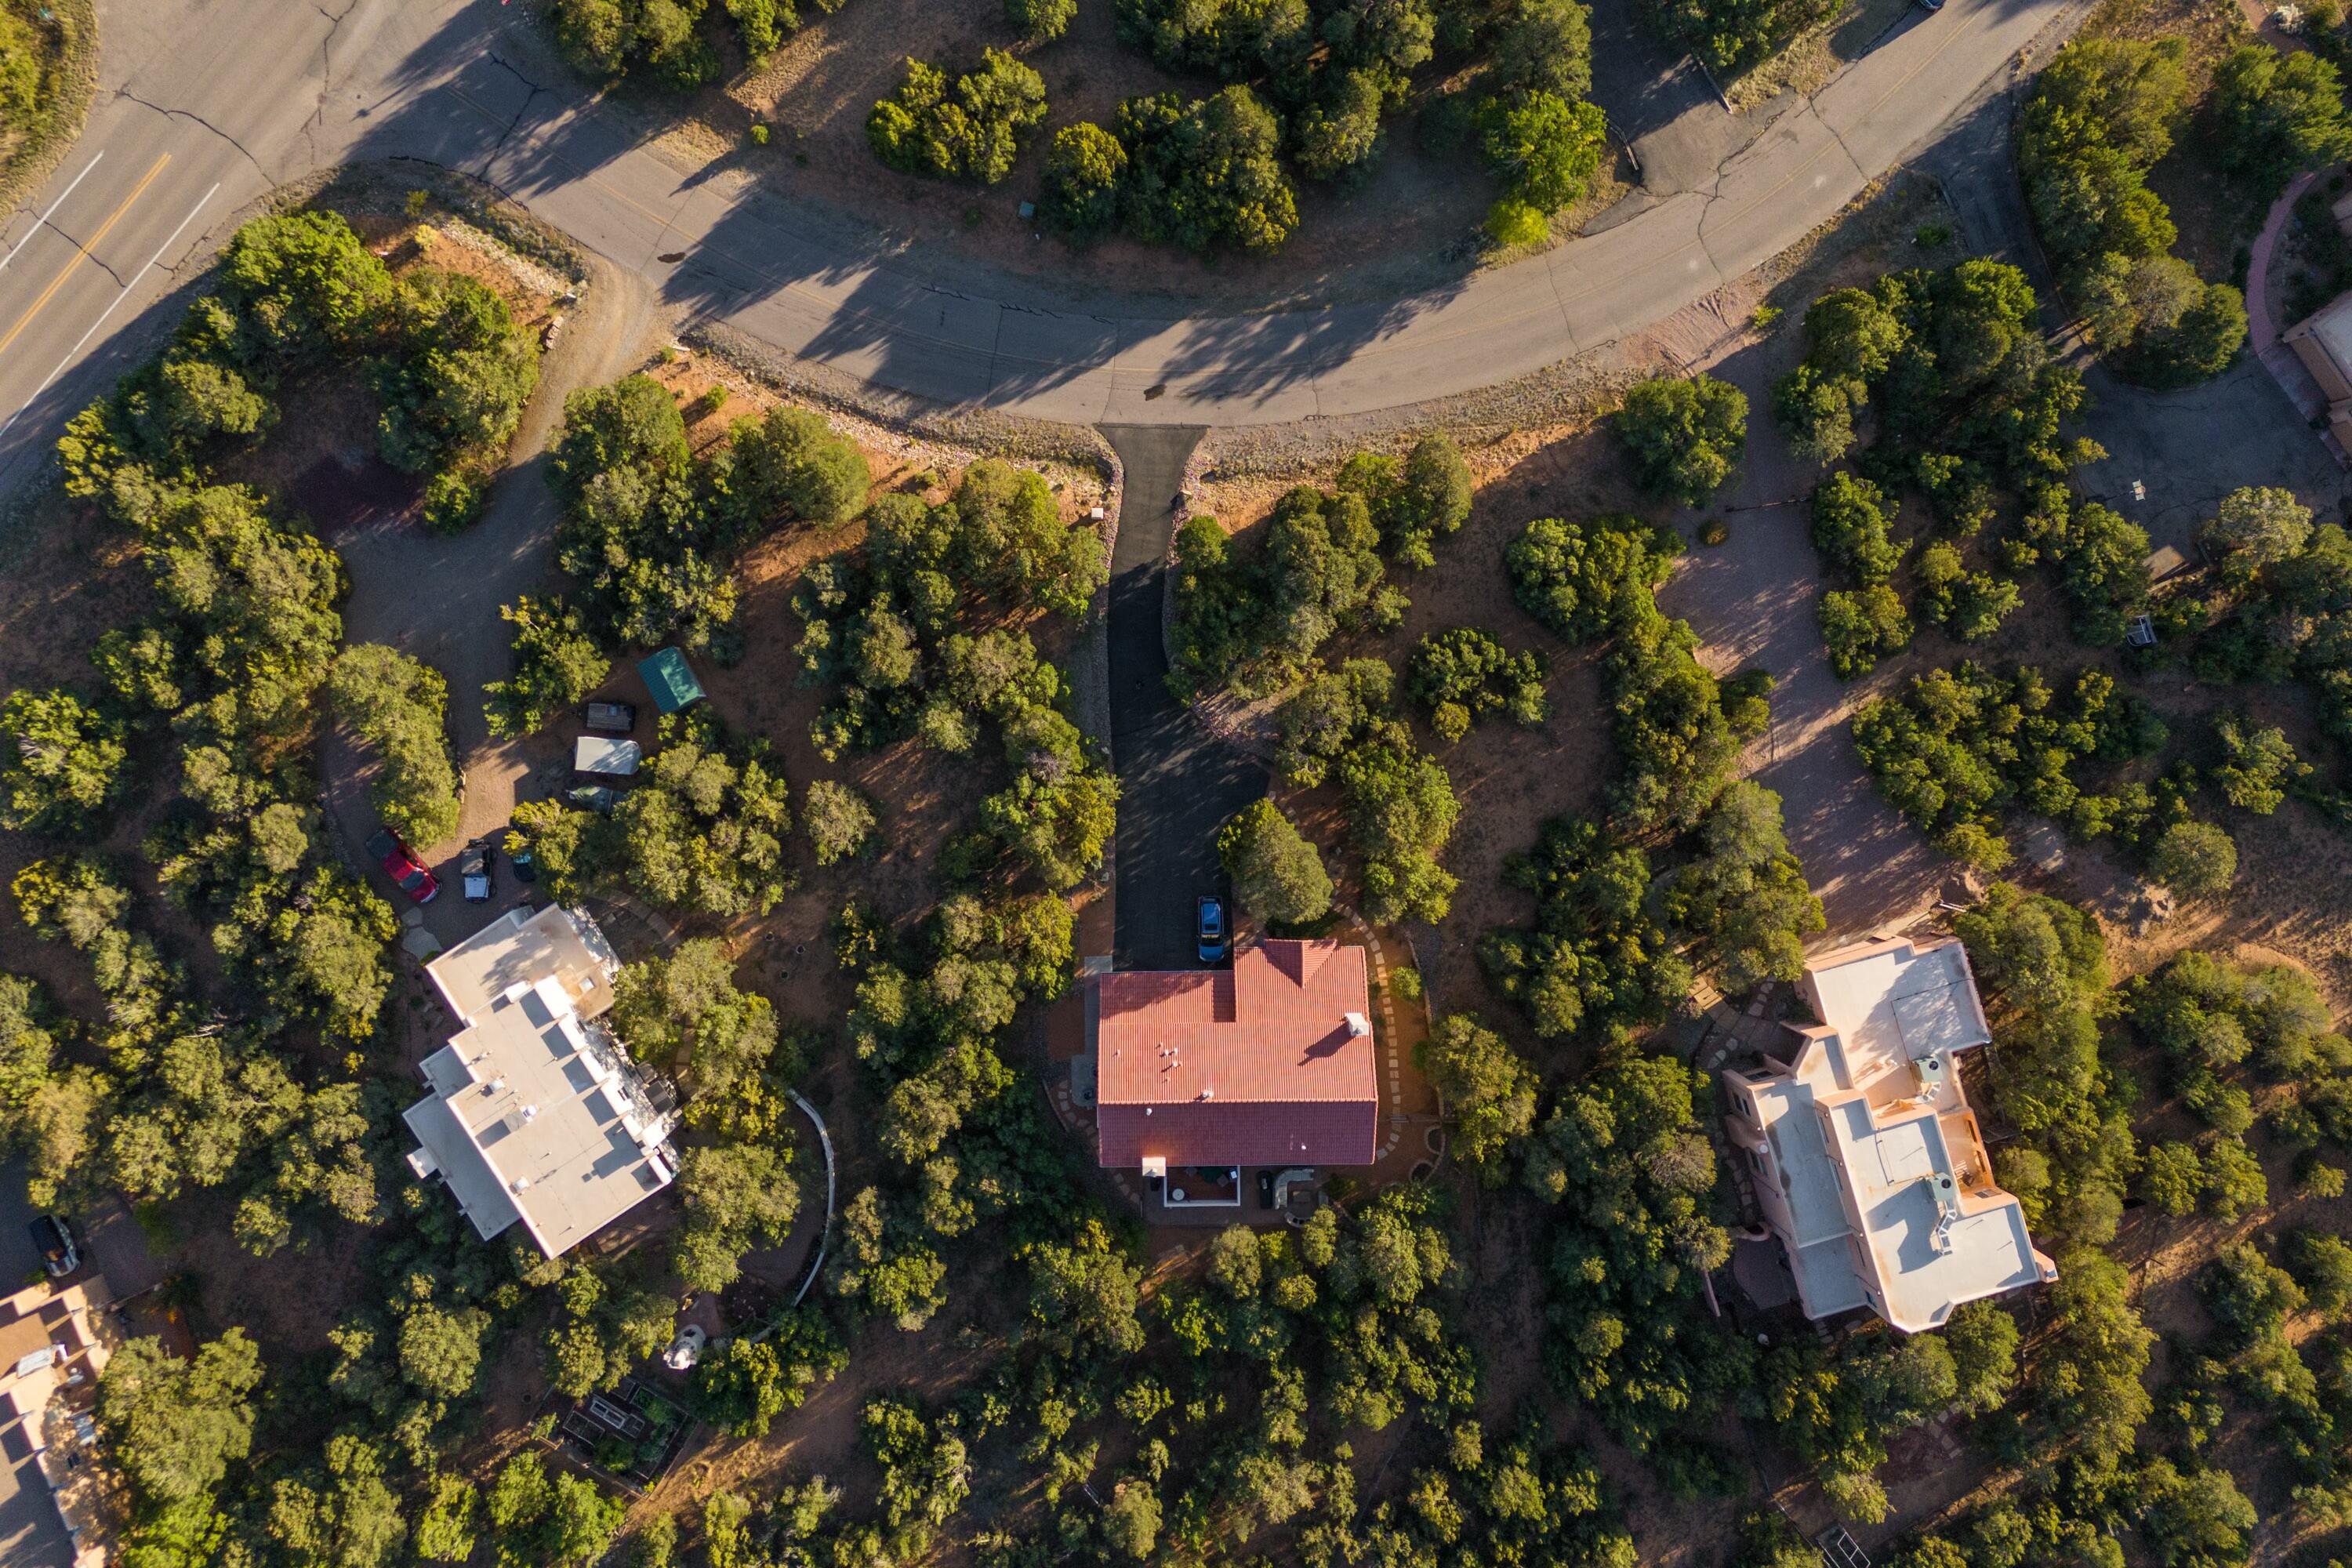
[438, 598]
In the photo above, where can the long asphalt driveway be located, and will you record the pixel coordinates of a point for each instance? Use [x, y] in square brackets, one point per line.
[205, 105]
[1177, 782]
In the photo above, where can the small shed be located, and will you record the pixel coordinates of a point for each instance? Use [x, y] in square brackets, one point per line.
[671, 682]
[2166, 561]
[604, 757]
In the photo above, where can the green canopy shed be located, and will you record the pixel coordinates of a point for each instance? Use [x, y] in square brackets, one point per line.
[671, 682]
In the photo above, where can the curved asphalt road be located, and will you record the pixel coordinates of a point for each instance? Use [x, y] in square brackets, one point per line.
[205, 105]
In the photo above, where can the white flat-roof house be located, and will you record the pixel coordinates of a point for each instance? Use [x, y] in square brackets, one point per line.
[1867, 1161]
[535, 1113]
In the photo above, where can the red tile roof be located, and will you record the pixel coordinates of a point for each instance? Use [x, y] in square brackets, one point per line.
[1254, 1066]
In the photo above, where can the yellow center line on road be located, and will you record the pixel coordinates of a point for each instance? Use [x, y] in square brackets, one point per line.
[82, 251]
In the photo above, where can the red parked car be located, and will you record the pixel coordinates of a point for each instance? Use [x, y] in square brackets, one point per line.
[402, 866]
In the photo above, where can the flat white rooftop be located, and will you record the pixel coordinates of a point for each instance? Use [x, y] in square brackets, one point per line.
[1885, 1194]
[534, 1112]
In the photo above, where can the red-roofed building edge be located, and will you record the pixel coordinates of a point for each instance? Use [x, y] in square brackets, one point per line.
[1268, 1063]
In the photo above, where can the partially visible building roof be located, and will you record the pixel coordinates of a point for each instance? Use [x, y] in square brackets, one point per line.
[1258, 1065]
[521, 945]
[535, 1113]
[606, 756]
[672, 683]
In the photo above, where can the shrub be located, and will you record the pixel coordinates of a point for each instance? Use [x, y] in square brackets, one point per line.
[452, 501]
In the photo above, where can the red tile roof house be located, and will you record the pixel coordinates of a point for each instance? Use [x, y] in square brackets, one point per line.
[1200, 1074]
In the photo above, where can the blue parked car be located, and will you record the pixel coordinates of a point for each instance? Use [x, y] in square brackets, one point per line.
[1212, 932]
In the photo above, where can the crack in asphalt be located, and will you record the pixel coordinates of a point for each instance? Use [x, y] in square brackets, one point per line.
[88, 253]
[123, 92]
[521, 109]
[335, 20]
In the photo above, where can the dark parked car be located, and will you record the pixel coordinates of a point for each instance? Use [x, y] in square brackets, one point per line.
[611, 718]
[52, 1240]
[1212, 932]
[525, 863]
[598, 798]
[474, 871]
[401, 864]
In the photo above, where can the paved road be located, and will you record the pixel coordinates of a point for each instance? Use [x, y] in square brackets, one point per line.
[1177, 782]
[204, 105]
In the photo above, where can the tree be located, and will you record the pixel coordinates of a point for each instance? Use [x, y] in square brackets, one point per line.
[792, 459]
[60, 762]
[2087, 1382]
[1489, 1091]
[459, 371]
[1085, 171]
[557, 663]
[1545, 148]
[1463, 675]
[1278, 874]
[743, 1386]
[2172, 1178]
[1040, 21]
[445, 1531]
[2279, 113]
[1982, 1339]
[1084, 1293]
[1745, 896]
[1857, 629]
[1686, 435]
[2194, 859]
[1969, 605]
[839, 820]
[2193, 1519]
[306, 284]
[1545, 47]
[1587, 581]
[441, 1352]
[737, 1196]
[1851, 532]
[2261, 524]
[972, 132]
[396, 705]
[176, 1427]
[2260, 765]
[1204, 176]
[1415, 501]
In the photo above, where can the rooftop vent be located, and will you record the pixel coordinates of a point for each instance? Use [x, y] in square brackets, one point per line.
[1358, 1026]
[519, 1184]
